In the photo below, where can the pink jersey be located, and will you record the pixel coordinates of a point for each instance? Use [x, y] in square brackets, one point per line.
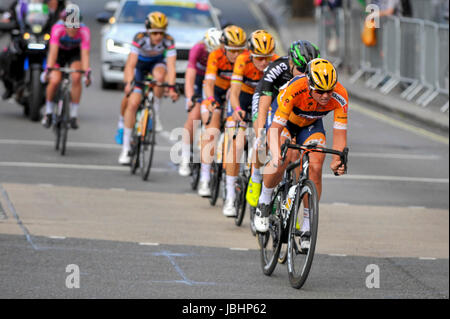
[198, 56]
[60, 37]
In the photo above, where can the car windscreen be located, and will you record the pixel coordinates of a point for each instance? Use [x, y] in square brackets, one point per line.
[134, 12]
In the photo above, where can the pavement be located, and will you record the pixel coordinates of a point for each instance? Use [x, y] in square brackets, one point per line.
[290, 29]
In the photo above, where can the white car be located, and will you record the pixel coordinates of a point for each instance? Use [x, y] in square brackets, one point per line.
[188, 22]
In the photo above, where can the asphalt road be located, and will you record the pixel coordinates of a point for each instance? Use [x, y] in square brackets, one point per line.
[157, 239]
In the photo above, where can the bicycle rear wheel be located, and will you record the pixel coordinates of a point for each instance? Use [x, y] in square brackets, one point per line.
[64, 124]
[240, 201]
[195, 177]
[299, 262]
[214, 183]
[147, 145]
[270, 241]
[134, 152]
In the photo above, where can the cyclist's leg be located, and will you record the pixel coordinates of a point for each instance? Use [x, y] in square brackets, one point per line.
[120, 123]
[130, 117]
[52, 85]
[76, 93]
[189, 126]
[234, 150]
[159, 74]
[314, 133]
[209, 139]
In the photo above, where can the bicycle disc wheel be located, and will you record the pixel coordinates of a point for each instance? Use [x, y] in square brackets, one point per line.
[299, 262]
[214, 183]
[134, 153]
[147, 146]
[240, 201]
[270, 241]
[195, 177]
[64, 124]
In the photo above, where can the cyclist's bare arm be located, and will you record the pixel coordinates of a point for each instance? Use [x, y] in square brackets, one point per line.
[128, 73]
[263, 109]
[85, 59]
[171, 71]
[339, 143]
[52, 55]
[235, 91]
[189, 80]
[209, 88]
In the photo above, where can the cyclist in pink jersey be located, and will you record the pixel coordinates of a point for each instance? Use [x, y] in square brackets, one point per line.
[69, 46]
[195, 73]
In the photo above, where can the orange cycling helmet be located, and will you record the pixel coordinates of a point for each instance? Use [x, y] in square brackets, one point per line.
[321, 75]
[234, 37]
[261, 43]
[156, 22]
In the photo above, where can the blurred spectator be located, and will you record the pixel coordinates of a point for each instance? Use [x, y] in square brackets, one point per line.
[328, 8]
[394, 7]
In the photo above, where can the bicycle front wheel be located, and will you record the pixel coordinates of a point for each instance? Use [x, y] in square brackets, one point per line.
[300, 261]
[214, 183]
[134, 153]
[195, 178]
[240, 201]
[64, 125]
[147, 145]
[270, 241]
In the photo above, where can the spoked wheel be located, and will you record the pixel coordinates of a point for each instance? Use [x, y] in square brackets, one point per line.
[195, 177]
[252, 212]
[134, 153]
[64, 124]
[270, 241]
[57, 131]
[283, 254]
[214, 183]
[240, 201]
[299, 261]
[147, 146]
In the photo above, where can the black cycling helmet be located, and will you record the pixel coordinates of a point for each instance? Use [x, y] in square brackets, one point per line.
[301, 52]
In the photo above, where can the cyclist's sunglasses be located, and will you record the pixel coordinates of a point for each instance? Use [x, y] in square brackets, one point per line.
[262, 58]
[158, 33]
[321, 92]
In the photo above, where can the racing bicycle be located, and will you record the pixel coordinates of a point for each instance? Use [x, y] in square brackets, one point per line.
[61, 113]
[289, 199]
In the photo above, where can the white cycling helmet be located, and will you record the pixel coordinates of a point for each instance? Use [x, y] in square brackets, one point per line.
[212, 39]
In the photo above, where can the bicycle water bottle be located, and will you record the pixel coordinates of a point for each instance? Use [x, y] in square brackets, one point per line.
[137, 125]
[150, 124]
[291, 196]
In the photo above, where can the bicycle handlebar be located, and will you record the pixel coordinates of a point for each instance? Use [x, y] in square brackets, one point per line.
[313, 148]
[66, 70]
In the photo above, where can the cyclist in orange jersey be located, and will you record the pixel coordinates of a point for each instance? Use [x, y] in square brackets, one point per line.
[301, 107]
[217, 82]
[248, 70]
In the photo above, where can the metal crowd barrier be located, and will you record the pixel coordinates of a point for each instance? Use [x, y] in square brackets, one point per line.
[410, 53]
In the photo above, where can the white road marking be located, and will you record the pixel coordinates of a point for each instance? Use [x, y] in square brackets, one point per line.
[74, 144]
[56, 237]
[149, 244]
[240, 249]
[166, 135]
[407, 127]
[391, 178]
[427, 258]
[337, 255]
[165, 170]
[77, 166]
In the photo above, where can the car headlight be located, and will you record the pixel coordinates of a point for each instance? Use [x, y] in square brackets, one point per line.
[117, 47]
